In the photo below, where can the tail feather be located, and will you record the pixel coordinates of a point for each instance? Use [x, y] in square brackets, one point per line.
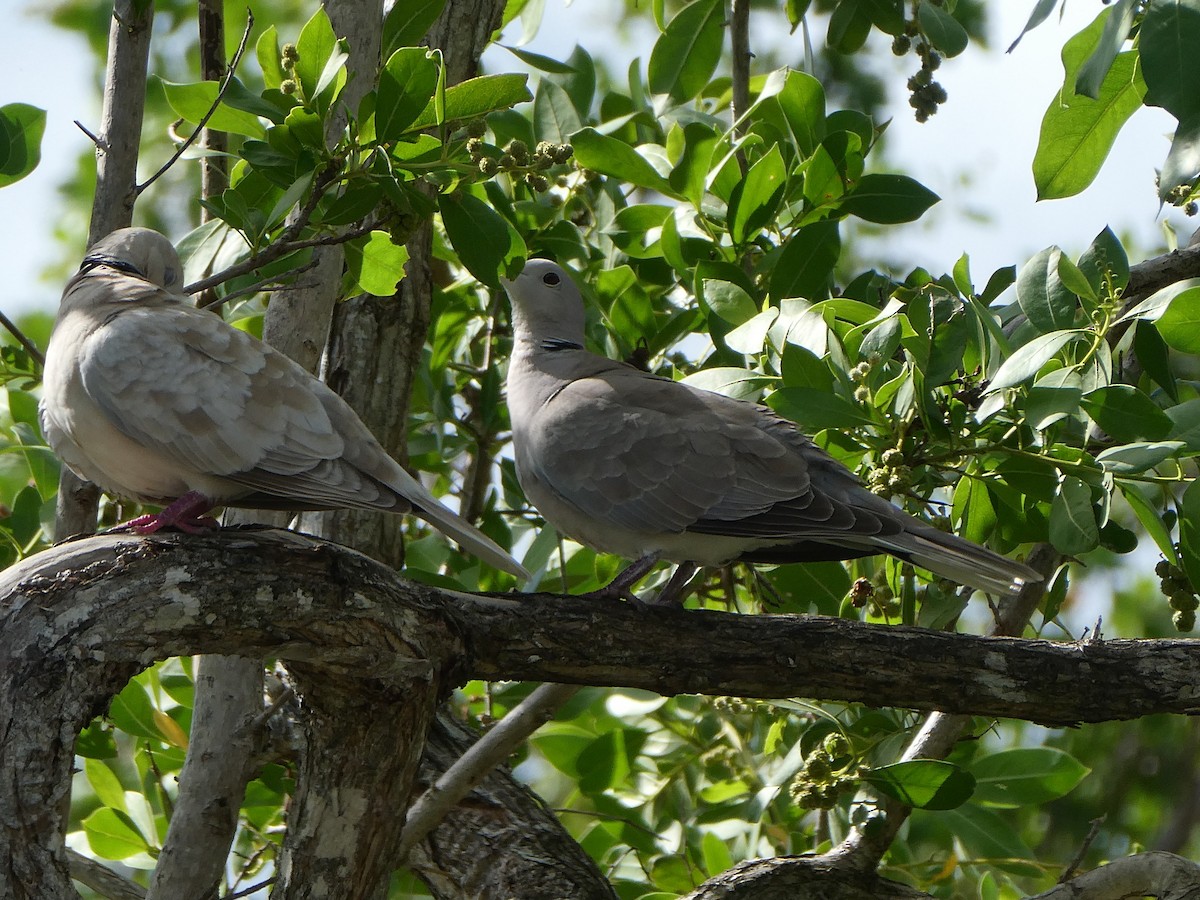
[960, 560]
[470, 538]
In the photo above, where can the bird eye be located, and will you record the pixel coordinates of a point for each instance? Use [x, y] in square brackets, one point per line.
[551, 279]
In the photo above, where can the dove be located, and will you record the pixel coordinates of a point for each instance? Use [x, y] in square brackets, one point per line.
[155, 400]
[649, 469]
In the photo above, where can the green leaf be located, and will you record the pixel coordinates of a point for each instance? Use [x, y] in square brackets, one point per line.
[1105, 259]
[757, 197]
[802, 101]
[132, 713]
[539, 62]
[315, 48]
[1126, 414]
[610, 156]
[1179, 324]
[805, 265]
[727, 300]
[21, 129]
[690, 174]
[1041, 294]
[974, 510]
[942, 29]
[105, 783]
[1116, 30]
[268, 52]
[406, 87]
[555, 118]
[1169, 36]
[192, 101]
[984, 834]
[1150, 519]
[1131, 459]
[813, 587]
[686, 54]
[1189, 534]
[1073, 527]
[1028, 360]
[1026, 776]
[849, 26]
[376, 263]
[484, 240]
[112, 835]
[923, 783]
[1183, 159]
[814, 409]
[741, 384]
[1078, 132]
[1151, 351]
[474, 98]
[888, 199]
[407, 23]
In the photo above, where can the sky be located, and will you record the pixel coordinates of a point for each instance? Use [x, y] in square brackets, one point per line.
[975, 153]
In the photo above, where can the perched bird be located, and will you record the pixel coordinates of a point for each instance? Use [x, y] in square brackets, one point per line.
[166, 404]
[650, 469]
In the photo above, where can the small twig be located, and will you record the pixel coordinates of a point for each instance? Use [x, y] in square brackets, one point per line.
[739, 38]
[265, 716]
[479, 759]
[266, 284]
[275, 251]
[246, 892]
[24, 341]
[101, 879]
[94, 138]
[1077, 860]
[225, 84]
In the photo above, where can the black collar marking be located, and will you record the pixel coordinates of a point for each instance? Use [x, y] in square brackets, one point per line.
[555, 344]
[93, 260]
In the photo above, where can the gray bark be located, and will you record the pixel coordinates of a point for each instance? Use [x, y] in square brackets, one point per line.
[116, 189]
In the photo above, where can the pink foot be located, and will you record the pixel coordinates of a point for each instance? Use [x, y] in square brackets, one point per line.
[185, 514]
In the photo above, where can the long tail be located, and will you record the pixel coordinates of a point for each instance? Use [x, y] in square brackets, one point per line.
[959, 560]
[470, 538]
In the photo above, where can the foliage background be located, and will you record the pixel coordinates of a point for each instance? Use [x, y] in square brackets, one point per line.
[669, 791]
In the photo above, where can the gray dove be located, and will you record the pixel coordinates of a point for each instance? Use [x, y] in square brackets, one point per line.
[649, 469]
[166, 404]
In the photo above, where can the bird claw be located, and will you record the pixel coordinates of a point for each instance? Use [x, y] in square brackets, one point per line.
[183, 514]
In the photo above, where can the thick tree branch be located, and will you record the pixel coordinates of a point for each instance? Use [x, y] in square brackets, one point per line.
[1152, 874]
[79, 619]
[1155, 274]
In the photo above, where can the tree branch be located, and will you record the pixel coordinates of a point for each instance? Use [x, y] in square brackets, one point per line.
[116, 191]
[200, 126]
[485, 754]
[79, 619]
[1154, 873]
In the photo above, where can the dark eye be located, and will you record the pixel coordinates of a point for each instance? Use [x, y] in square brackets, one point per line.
[551, 278]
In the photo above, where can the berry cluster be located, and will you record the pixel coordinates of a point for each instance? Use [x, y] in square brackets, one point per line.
[1179, 593]
[517, 160]
[288, 56]
[891, 476]
[925, 94]
[1183, 195]
[828, 772]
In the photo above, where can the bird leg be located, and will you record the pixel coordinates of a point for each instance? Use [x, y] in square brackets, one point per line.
[619, 587]
[186, 514]
[675, 591]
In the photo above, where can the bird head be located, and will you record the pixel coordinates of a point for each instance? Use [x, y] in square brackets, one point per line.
[546, 303]
[140, 252]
